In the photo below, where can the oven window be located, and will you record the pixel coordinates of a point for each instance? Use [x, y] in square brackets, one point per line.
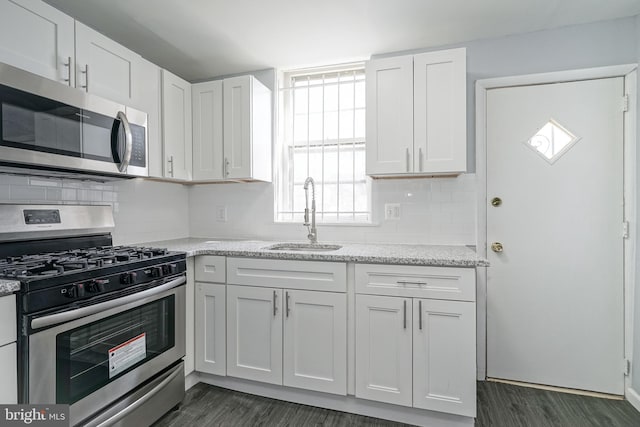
[93, 355]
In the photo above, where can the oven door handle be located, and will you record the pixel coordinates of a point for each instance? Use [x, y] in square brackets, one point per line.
[67, 316]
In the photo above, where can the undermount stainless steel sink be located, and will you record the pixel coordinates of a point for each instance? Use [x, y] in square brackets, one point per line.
[303, 247]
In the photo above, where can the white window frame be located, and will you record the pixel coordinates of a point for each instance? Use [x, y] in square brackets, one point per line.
[284, 179]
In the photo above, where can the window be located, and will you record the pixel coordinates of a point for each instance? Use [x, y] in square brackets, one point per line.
[322, 135]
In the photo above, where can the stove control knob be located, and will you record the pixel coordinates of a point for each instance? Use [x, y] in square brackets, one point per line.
[97, 285]
[75, 291]
[169, 269]
[128, 278]
[156, 272]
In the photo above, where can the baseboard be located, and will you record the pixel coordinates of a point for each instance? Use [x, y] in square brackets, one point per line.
[190, 380]
[349, 404]
[634, 398]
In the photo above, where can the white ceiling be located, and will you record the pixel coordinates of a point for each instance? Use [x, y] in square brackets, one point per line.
[198, 39]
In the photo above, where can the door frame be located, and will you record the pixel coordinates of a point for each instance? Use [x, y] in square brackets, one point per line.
[629, 73]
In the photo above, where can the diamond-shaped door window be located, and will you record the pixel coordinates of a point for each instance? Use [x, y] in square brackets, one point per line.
[552, 141]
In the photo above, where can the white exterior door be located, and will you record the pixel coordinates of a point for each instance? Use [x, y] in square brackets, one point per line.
[384, 349]
[254, 333]
[104, 67]
[210, 318]
[237, 127]
[555, 291]
[389, 90]
[315, 341]
[207, 130]
[444, 356]
[38, 38]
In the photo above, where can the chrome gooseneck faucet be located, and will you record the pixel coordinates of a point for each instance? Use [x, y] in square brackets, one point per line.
[313, 233]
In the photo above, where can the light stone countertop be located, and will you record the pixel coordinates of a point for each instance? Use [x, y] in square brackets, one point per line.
[434, 255]
[8, 287]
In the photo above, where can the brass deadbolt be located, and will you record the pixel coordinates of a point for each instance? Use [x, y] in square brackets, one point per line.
[496, 201]
[496, 247]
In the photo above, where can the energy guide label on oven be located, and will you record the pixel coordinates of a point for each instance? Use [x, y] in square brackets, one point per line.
[127, 354]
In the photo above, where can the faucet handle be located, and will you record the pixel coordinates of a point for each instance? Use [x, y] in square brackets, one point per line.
[306, 217]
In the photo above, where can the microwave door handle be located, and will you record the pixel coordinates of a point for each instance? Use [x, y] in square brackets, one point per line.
[128, 136]
[67, 316]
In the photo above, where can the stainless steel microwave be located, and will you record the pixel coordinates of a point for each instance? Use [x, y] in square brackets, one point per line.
[49, 126]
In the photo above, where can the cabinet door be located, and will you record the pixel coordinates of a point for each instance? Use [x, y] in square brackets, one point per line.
[383, 349]
[444, 356]
[211, 353]
[315, 341]
[254, 333]
[207, 130]
[237, 127]
[103, 66]
[176, 126]
[147, 98]
[389, 90]
[440, 111]
[38, 38]
[9, 383]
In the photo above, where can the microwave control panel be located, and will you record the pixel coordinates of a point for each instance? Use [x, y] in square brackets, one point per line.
[139, 146]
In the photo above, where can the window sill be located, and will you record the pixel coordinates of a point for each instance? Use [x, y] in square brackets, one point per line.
[332, 224]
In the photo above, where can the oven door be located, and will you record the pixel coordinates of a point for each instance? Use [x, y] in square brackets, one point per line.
[90, 362]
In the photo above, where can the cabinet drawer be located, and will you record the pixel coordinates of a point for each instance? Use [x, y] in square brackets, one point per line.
[7, 319]
[276, 273]
[211, 268]
[449, 283]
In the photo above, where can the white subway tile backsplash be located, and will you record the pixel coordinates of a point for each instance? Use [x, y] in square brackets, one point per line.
[25, 193]
[54, 194]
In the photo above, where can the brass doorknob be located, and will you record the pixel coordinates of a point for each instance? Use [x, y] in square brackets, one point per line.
[496, 201]
[496, 247]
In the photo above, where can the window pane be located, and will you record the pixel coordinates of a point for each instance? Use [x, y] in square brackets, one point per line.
[300, 99]
[360, 99]
[300, 128]
[331, 126]
[346, 95]
[359, 124]
[346, 197]
[315, 127]
[346, 124]
[331, 98]
[315, 100]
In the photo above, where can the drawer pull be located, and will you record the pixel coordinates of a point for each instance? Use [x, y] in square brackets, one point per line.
[410, 282]
[405, 314]
[275, 307]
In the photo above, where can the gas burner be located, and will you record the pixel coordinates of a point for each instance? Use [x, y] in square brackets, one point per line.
[56, 263]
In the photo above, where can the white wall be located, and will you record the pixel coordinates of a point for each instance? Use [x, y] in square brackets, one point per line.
[430, 215]
[143, 210]
[635, 369]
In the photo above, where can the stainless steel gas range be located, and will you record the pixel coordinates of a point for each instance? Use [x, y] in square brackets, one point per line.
[100, 327]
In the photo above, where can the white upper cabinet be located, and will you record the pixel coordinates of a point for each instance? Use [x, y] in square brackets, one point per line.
[416, 114]
[208, 161]
[38, 38]
[146, 97]
[176, 126]
[105, 67]
[232, 130]
[389, 90]
[247, 129]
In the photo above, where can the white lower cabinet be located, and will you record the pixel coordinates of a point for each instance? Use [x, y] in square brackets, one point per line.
[312, 353]
[444, 356]
[384, 349]
[254, 333]
[9, 383]
[315, 341]
[413, 351]
[210, 318]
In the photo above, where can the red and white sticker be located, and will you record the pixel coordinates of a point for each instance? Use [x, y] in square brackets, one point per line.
[127, 354]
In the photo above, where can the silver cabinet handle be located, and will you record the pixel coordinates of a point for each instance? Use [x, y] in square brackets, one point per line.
[67, 316]
[408, 161]
[226, 166]
[286, 303]
[419, 314]
[420, 158]
[170, 161]
[86, 77]
[405, 314]
[410, 282]
[128, 137]
[275, 307]
[68, 65]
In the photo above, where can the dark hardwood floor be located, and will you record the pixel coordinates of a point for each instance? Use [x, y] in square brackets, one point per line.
[498, 405]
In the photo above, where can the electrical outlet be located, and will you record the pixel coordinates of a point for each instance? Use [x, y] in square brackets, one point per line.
[221, 213]
[392, 211]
